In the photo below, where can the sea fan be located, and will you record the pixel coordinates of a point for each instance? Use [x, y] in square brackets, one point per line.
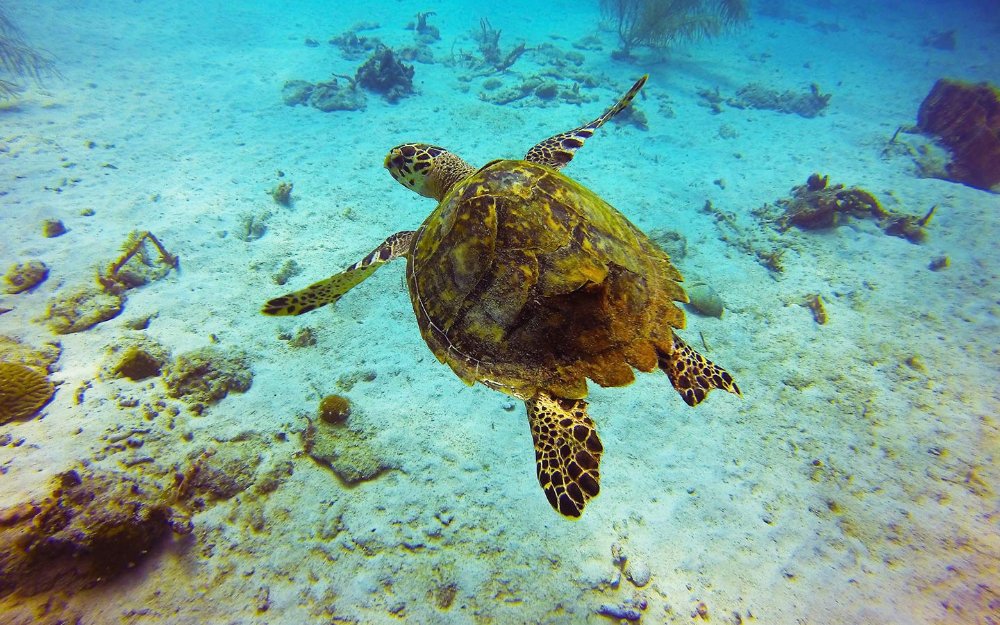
[18, 59]
[660, 23]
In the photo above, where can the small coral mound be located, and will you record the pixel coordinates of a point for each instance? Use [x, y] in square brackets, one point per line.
[92, 527]
[334, 409]
[52, 228]
[83, 309]
[206, 375]
[137, 360]
[24, 276]
[24, 391]
[966, 118]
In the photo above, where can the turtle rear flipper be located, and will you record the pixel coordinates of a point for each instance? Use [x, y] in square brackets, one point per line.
[558, 150]
[567, 451]
[693, 375]
[333, 288]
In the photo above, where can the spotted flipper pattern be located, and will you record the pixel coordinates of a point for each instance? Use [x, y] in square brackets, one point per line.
[330, 290]
[559, 150]
[693, 375]
[567, 451]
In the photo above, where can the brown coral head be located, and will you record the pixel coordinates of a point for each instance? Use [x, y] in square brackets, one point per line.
[24, 391]
[817, 182]
[334, 409]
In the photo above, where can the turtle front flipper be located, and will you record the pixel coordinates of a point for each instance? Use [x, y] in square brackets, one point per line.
[330, 290]
[692, 374]
[567, 451]
[558, 150]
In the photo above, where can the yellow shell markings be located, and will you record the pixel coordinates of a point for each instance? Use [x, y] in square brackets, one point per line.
[516, 230]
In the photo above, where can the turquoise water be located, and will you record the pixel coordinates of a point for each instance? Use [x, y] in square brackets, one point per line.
[165, 457]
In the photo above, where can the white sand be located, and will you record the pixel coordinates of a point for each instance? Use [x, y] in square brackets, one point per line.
[814, 499]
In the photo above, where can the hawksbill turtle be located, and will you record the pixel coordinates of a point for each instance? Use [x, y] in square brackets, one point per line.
[524, 280]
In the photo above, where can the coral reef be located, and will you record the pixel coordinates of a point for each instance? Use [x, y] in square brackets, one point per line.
[136, 266]
[25, 276]
[817, 204]
[662, 23]
[756, 96]
[349, 451]
[334, 409]
[206, 375]
[965, 117]
[82, 309]
[24, 390]
[383, 73]
[92, 527]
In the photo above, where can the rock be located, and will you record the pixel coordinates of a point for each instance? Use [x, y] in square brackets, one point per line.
[223, 472]
[620, 612]
[83, 309]
[207, 375]
[966, 119]
[352, 453]
[637, 572]
[25, 276]
[705, 300]
[52, 228]
[296, 92]
[137, 360]
[331, 96]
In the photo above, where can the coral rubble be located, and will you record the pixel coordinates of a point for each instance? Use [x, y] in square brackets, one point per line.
[755, 96]
[965, 117]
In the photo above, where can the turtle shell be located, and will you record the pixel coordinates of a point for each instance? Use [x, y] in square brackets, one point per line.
[525, 280]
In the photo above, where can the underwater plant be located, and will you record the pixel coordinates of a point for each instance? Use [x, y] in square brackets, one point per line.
[18, 59]
[660, 23]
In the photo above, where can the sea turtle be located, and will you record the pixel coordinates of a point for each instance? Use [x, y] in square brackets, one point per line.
[526, 281]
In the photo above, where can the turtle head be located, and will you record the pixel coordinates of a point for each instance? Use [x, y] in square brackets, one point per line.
[427, 169]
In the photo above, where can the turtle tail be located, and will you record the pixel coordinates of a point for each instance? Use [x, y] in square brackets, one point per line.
[692, 374]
